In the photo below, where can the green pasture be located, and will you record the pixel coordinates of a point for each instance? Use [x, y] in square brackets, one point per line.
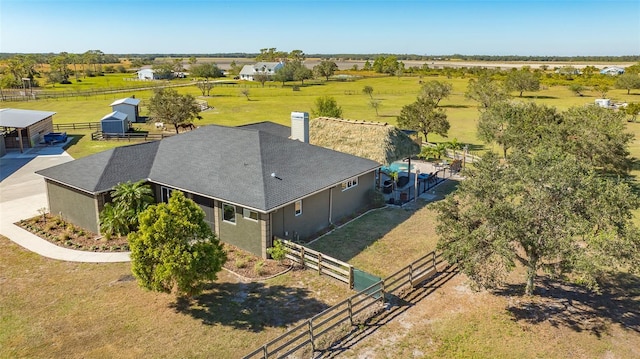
[86, 309]
[275, 102]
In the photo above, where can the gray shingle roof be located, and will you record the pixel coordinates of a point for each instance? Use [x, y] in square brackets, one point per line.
[100, 172]
[270, 127]
[226, 163]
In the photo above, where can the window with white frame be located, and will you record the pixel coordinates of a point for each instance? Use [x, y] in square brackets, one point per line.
[249, 214]
[229, 213]
[298, 207]
[165, 193]
[350, 183]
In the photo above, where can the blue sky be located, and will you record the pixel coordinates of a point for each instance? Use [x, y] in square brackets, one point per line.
[517, 27]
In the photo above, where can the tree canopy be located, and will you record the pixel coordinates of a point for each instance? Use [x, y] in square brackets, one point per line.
[425, 117]
[326, 106]
[168, 106]
[485, 91]
[628, 81]
[205, 71]
[325, 69]
[545, 210]
[591, 133]
[175, 250]
[550, 204]
[522, 80]
[436, 90]
[512, 124]
[386, 64]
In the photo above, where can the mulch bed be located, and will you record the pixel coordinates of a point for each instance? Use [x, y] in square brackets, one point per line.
[251, 267]
[57, 231]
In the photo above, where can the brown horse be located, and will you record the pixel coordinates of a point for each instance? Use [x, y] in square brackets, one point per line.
[185, 126]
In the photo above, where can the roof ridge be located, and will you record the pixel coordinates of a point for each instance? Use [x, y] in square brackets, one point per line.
[260, 135]
[354, 122]
[105, 167]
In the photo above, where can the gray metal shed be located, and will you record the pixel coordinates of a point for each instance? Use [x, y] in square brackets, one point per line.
[116, 122]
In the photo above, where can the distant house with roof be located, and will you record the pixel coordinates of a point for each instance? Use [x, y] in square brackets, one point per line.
[24, 128]
[130, 106]
[253, 183]
[249, 72]
[613, 70]
[147, 74]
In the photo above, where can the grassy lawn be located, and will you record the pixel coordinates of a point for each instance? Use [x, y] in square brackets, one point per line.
[57, 309]
[446, 319]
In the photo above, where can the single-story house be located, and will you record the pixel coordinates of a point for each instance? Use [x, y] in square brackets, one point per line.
[268, 68]
[116, 122]
[129, 106]
[147, 74]
[613, 70]
[252, 184]
[24, 128]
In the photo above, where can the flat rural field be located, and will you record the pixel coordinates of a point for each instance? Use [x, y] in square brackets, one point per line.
[56, 309]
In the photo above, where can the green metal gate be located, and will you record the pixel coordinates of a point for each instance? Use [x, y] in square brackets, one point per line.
[363, 280]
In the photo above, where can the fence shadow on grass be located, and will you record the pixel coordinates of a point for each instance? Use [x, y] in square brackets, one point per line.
[75, 138]
[397, 305]
[578, 308]
[251, 306]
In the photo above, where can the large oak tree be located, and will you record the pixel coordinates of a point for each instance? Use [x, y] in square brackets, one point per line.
[168, 106]
[546, 210]
[425, 117]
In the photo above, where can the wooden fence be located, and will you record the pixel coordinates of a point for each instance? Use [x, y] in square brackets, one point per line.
[129, 136]
[76, 126]
[323, 264]
[20, 95]
[321, 331]
[457, 154]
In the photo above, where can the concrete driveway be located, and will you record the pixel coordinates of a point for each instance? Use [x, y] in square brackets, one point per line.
[22, 193]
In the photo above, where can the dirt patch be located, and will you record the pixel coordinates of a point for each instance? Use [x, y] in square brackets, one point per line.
[250, 267]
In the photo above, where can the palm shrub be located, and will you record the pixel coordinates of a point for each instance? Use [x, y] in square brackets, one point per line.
[121, 216]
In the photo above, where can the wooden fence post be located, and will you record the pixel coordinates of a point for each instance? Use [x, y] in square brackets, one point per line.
[265, 352]
[351, 280]
[302, 257]
[411, 274]
[319, 263]
[313, 344]
[382, 292]
[350, 312]
[434, 260]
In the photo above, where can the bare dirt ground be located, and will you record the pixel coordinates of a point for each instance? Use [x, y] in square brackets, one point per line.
[445, 318]
[343, 64]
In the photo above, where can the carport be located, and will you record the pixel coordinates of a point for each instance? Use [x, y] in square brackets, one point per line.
[24, 128]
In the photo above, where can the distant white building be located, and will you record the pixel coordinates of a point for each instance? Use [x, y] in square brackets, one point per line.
[613, 70]
[129, 106]
[269, 68]
[147, 74]
[603, 102]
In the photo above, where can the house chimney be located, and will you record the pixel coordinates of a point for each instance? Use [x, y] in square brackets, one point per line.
[300, 126]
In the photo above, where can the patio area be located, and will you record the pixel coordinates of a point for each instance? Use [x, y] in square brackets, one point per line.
[422, 177]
